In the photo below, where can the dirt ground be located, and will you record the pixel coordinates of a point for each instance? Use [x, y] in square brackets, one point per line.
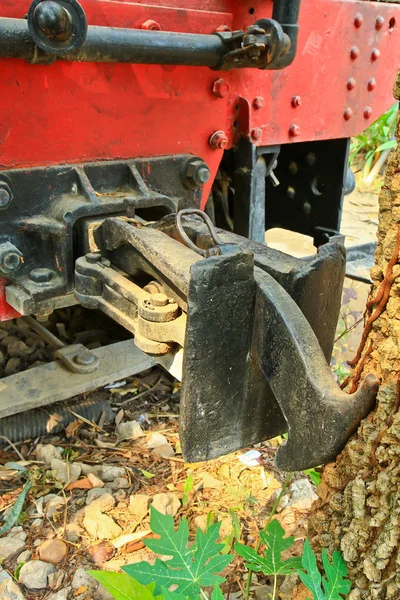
[93, 482]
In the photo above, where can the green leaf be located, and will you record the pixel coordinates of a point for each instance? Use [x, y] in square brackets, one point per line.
[168, 595]
[270, 563]
[16, 509]
[147, 474]
[190, 567]
[187, 488]
[123, 587]
[387, 145]
[217, 594]
[314, 475]
[335, 586]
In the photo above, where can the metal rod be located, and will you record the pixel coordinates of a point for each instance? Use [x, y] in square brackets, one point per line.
[44, 333]
[113, 44]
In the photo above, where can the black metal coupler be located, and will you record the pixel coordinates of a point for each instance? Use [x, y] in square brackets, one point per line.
[58, 29]
[253, 364]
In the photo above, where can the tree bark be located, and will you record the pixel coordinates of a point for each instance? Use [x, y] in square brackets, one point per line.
[358, 510]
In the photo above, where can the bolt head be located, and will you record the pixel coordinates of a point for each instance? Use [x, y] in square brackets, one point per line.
[221, 88]
[85, 358]
[354, 52]
[53, 20]
[222, 28]
[151, 25]
[348, 113]
[367, 112]
[351, 83]
[218, 140]
[258, 102]
[375, 54]
[11, 261]
[41, 275]
[379, 22]
[197, 173]
[371, 84]
[256, 133]
[296, 101]
[358, 20]
[294, 130]
[159, 299]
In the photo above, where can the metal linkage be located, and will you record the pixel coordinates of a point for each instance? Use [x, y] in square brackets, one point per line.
[253, 365]
[58, 28]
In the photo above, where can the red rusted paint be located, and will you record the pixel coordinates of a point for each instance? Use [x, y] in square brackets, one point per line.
[7, 312]
[151, 25]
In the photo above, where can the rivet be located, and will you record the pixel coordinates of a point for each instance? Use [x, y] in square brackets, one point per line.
[348, 113]
[221, 88]
[354, 53]
[371, 84]
[358, 21]
[151, 25]
[375, 54]
[218, 140]
[256, 133]
[379, 22]
[351, 83]
[294, 130]
[367, 112]
[296, 101]
[258, 102]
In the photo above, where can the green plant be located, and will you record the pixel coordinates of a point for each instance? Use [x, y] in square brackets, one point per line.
[187, 488]
[314, 475]
[375, 139]
[194, 567]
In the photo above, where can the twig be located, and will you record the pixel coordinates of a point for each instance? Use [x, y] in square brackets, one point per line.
[3, 437]
[91, 423]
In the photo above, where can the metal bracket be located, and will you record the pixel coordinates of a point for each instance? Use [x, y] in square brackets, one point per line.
[78, 359]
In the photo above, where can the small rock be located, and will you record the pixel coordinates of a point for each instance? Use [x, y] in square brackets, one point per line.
[65, 472]
[201, 522]
[24, 556]
[209, 482]
[226, 527]
[12, 366]
[61, 595]
[263, 592]
[118, 484]
[82, 579]
[95, 493]
[55, 579]
[46, 452]
[10, 590]
[19, 348]
[34, 575]
[302, 494]
[17, 533]
[36, 523]
[288, 585]
[9, 547]
[109, 473]
[53, 551]
[101, 553]
[167, 504]
[95, 481]
[4, 575]
[87, 470]
[102, 503]
[155, 440]
[120, 495]
[53, 504]
[73, 532]
[129, 431]
[167, 451]
[139, 504]
[101, 526]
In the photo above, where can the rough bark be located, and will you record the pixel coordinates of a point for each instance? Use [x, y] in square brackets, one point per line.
[359, 506]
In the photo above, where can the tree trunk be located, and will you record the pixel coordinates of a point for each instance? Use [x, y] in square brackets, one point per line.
[358, 510]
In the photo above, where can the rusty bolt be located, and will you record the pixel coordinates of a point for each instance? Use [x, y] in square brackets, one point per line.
[258, 102]
[371, 84]
[222, 28]
[218, 140]
[354, 53]
[256, 133]
[348, 113]
[367, 112]
[379, 22]
[351, 83]
[296, 101]
[294, 130]
[358, 20]
[221, 88]
[159, 299]
[197, 173]
[375, 54]
[151, 25]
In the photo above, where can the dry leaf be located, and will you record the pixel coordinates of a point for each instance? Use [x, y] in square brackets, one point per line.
[53, 421]
[72, 429]
[80, 590]
[119, 416]
[80, 484]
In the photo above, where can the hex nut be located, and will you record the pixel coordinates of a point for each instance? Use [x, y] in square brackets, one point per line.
[10, 258]
[197, 173]
[41, 275]
[5, 195]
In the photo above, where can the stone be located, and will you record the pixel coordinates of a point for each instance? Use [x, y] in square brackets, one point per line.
[95, 493]
[46, 452]
[81, 579]
[34, 574]
[73, 532]
[120, 495]
[53, 551]
[53, 504]
[210, 482]
[166, 451]
[167, 504]
[24, 556]
[155, 440]
[109, 473]
[120, 483]
[65, 472]
[4, 575]
[9, 547]
[19, 348]
[302, 494]
[95, 481]
[129, 431]
[101, 526]
[10, 590]
[263, 592]
[12, 366]
[61, 595]
[36, 523]
[139, 504]
[17, 533]
[87, 470]
[102, 503]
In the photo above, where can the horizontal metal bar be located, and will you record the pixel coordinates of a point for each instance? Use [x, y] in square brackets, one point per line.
[114, 44]
[50, 383]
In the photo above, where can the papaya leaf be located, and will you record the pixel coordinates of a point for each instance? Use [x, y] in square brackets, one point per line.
[335, 586]
[16, 509]
[271, 562]
[190, 567]
[123, 587]
[217, 594]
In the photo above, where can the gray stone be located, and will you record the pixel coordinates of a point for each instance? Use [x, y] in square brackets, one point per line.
[54, 504]
[120, 483]
[95, 493]
[46, 452]
[73, 532]
[263, 592]
[9, 547]
[82, 579]
[109, 473]
[86, 470]
[65, 472]
[302, 494]
[34, 575]
[4, 575]
[24, 556]
[101, 526]
[61, 595]
[10, 590]
[17, 533]
[167, 504]
[129, 431]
